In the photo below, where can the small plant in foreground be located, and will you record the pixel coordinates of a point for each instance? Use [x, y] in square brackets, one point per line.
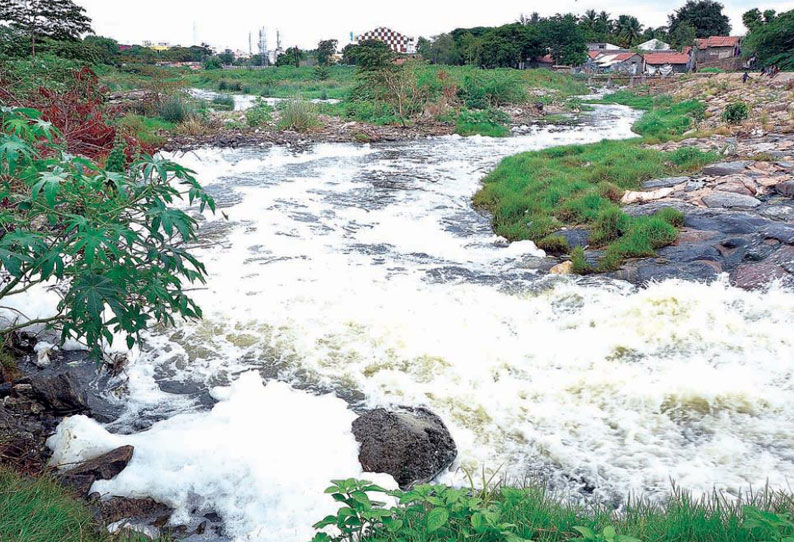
[736, 112]
[258, 115]
[580, 264]
[298, 115]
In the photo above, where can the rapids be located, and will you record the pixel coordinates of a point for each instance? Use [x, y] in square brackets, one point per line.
[363, 271]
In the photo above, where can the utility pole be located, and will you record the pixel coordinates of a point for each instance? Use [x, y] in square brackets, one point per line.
[250, 46]
[263, 45]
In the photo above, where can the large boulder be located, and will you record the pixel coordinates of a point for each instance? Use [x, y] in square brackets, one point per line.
[413, 444]
[730, 200]
[60, 393]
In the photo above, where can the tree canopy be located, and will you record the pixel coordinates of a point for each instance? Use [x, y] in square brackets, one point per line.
[56, 19]
[771, 40]
[705, 16]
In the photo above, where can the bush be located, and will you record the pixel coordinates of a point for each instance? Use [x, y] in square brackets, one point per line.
[580, 264]
[213, 63]
[111, 244]
[223, 101]
[298, 115]
[490, 122]
[736, 112]
[258, 115]
[492, 88]
[175, 109]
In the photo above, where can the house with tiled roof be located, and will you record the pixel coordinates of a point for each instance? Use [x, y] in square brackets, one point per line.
[628, 62]
[668, 62]
[719, 52]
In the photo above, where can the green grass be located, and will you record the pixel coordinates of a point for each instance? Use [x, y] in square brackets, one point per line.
[149, 130]
[41, 511]
[664, 119]
[509, 514]
[491, 123]
[534, 194]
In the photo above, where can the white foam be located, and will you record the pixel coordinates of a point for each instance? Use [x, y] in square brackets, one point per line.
[261, 459]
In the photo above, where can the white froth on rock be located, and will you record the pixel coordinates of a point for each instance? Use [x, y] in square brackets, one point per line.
[261, 459]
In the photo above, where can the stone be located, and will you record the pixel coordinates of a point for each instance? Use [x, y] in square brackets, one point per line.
[59, 393]
[104, 467]
[756, 275]
[726, 168]
[118, 508]
[564, 268]
[729, 200]
[644, 197]
[576, 237]
[781, 232]
[667, 182]
[734, 187]
[783, 213]
[413, 445]
[785, 189]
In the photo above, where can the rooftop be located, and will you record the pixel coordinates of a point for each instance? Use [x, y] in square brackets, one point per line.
[666, 58]
[718, 41]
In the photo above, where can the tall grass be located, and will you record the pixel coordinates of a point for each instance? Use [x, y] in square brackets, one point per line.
[176, 109]
[42, 511]
[298, 115]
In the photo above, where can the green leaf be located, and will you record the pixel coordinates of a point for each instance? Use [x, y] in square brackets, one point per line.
[436, 519]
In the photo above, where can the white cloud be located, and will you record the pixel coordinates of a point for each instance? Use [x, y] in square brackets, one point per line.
[227, 24]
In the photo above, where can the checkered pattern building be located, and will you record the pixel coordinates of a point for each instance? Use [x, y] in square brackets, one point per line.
[396, 41]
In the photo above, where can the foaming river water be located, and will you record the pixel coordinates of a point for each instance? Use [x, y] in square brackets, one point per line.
[363, 272]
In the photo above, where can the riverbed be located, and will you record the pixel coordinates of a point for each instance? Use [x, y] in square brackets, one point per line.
[354, 276]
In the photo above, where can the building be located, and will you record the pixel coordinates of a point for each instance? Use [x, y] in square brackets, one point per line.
[398, 43]
[546, 62]
[654, 45]
[603, 46]
[719, 52]
[628, 63]
[668, 62]
[159, 46]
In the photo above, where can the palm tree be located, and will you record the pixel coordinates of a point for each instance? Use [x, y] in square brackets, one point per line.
[629, 29]
[590, 19]
[604, 24]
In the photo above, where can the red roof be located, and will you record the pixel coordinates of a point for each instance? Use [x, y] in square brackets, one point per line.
[621, 57]
[547, 59]
[686, 50]
[594, 54]
[666, 58]
[718, 41]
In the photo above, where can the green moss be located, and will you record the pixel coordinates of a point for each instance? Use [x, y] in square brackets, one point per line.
[554, 244]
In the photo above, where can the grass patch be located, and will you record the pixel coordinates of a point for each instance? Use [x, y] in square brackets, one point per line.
[298, 115]
[664, 119]
[41, 511]
[149, 130]
[534, 194]
[489, 122]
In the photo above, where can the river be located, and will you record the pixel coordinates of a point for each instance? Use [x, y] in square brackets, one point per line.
[361, 275]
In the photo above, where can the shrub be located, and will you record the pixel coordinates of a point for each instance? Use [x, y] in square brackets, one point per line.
[492, 88]
[610, 225]
[223, 101]
[213, 63]
[298, 115]
[580, 264]
[490, 122]
[175, 109]
[736, 112]
[674, 217]
[258, 115]
[321, 73]
[111, 244]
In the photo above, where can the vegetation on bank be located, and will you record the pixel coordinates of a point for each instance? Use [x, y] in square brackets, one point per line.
[535, 194]
[508, 514]
[40, 510]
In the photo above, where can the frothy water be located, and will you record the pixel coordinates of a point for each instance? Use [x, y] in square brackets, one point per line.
[364, 271]
[244, 102]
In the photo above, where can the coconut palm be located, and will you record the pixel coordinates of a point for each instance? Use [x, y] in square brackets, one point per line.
[629, 30]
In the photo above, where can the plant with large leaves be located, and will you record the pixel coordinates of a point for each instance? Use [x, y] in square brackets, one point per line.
[111, 244]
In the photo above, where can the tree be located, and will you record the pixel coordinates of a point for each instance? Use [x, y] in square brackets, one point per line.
[109, 244]
[108, 48]
[291, 57]
[705, 15]
[772, 42]
[683, 36]
[563, 39]
[373, 55]
[326, 50]
[57, 19]
[226, 57]
[629, 30]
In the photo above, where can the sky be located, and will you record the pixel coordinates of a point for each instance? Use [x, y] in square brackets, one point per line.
[226, 24]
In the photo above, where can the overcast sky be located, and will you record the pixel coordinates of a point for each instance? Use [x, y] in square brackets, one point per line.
[227, 23]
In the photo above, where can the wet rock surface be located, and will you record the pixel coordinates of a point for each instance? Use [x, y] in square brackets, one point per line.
[738, 217]
[412, 444]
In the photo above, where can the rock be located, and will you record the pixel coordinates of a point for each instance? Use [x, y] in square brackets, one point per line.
[726, 168]
[785, 189]
[754, 275]
[564, 268]
[104, 467]
[79, 484]
[783, 213]
[692, 186]
[59, 393]
[667, 182]
[781, 232]
[118, 508]
[413, 445]
[576, 237]
[22, 441]
[643, 197]
[729, 200]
